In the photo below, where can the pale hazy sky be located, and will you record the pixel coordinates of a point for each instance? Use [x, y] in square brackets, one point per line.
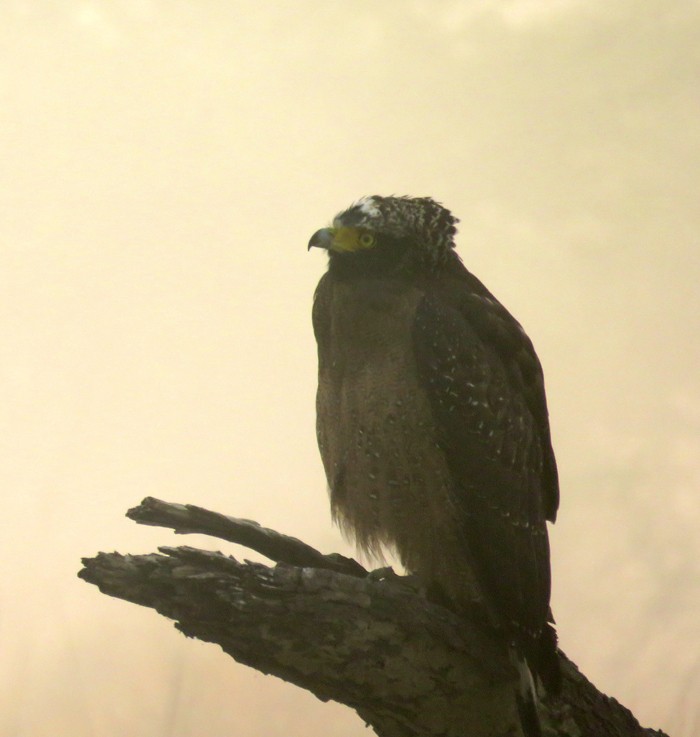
[163, 166]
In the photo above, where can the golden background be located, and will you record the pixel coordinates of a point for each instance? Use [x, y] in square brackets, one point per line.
[162, 166]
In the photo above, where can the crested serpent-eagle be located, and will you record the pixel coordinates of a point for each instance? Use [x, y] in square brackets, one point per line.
[432, 420]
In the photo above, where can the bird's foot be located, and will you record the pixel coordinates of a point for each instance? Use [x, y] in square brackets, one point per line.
[388, 574]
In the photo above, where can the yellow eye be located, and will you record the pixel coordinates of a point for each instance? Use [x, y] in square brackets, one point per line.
[366, 240]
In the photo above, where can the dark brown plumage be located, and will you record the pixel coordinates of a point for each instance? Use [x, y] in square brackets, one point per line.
[432, 419]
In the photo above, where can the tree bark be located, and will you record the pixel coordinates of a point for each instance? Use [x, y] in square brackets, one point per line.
[369, 640]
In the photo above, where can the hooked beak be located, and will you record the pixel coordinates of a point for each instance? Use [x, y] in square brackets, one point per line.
[322, 239]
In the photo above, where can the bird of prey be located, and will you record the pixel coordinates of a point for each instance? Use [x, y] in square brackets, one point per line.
[432, 421]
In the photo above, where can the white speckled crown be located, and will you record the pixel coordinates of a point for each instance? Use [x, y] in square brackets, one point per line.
[421, 219]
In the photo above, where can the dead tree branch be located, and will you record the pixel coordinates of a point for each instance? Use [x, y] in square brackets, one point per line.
[408, 666]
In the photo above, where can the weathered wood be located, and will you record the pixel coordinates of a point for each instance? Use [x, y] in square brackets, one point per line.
[407, 666]
[188, 518]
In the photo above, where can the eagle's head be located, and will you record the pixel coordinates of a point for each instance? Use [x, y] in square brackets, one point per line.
[384, 230]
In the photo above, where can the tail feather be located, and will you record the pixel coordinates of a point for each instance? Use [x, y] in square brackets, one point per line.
[537, 663]
[546, 665]
[526, 696]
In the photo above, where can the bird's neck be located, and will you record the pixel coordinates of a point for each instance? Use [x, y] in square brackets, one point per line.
[390, 261]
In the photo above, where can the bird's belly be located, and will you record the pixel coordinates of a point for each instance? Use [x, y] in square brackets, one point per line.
[383, 465]
[389, 481]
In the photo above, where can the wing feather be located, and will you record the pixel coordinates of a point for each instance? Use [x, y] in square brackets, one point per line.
[484, 384]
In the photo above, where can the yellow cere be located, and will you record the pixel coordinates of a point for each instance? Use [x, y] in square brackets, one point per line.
[347, 239]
